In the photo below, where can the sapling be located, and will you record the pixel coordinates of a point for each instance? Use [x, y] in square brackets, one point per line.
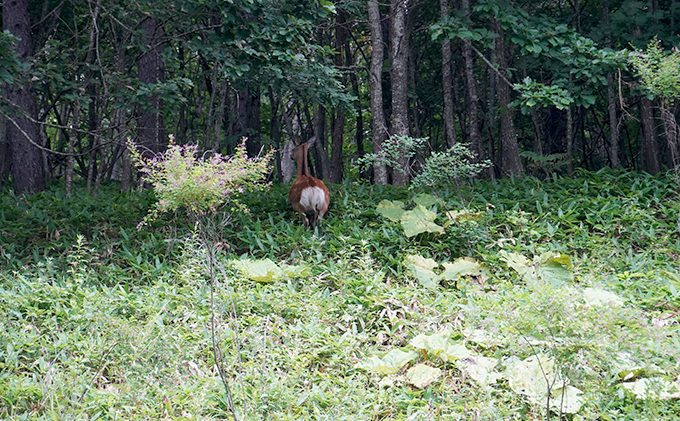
[199, 186]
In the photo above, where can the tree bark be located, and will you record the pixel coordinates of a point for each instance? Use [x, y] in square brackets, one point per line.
[474, 135]
[151, 70]
[447, 87]
[375, 79]
[399, 49]
[511, 163]
[23, 133]
[338, 115]
[650, 149]
[248, 120]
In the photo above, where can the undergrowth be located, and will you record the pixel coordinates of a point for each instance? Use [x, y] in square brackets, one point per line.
[101, 321]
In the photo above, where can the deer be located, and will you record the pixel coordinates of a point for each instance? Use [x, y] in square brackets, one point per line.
[308, 195]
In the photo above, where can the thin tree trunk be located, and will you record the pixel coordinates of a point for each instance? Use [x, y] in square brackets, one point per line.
[150, 120]
[447, 62]
[375, 79]
[474, 136]
[399, 49]
[511, 163]
[570, 139]
[23, 133]
[338, 115]
[650, 149]
[72, 139]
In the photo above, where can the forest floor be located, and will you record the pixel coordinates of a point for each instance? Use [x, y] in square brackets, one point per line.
[515, 299]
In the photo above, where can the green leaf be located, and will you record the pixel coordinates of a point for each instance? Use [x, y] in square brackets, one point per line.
[422, 375]
[264, 271]
[392, 362]
[419, 220]
[425, 200]
[460, 267]
[423, 270]
[391, 209]
[480, 369]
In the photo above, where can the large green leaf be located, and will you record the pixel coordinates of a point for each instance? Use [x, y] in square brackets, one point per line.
[264, 271]
[422, 269]
[421, 375]
[460, 267]
[391, 209]
[419, 220]
[425, 200]
[392, 362]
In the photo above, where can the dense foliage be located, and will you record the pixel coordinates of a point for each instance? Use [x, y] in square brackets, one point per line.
[581, 275]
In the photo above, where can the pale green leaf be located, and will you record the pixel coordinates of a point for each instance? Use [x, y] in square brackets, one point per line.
[567, 399]
[391, 209]
[460, 267]
[532, 376]
[264, 271]
[600, 297]
[392, 362]
[419, 220]
[422, 375]
[480, 369]
[425, 200]
[519, 263]
[422, 269]
[654, 388]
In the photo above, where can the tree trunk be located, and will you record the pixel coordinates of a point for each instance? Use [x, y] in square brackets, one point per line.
[613, 123]
[319, 150]
[248, 120]
[447, 88]
[650, 149]
[474, 136]
[23, 133]
[338, 115]
[570, 139]
[375, 79]
[150, 119]
[399, 49]
[511, 163]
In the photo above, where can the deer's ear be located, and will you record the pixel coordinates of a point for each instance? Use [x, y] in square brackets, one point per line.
[311, 141]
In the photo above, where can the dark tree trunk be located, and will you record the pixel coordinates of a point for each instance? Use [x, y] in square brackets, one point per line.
[399, 49]
[474, 136]
[338, 116]
[650, 148]
[447, 86]
[23, 133]
[511, 163]
[375, 79]
[151, 70]
[248, 120]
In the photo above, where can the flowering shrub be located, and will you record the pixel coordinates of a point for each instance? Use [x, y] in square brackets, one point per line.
[180, 179]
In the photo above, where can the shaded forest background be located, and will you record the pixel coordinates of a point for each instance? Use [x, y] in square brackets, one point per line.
[535, 86]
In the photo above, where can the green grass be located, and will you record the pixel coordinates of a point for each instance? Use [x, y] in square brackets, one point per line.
[101, 321]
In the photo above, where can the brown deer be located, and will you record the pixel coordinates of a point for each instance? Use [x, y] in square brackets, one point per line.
[308, 195]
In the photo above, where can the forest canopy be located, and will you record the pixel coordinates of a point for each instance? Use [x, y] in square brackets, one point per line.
[534, 87]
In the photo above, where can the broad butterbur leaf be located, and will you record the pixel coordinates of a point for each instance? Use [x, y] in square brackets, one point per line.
[460, 267]
[567, 399]
[480, 369]
[599, 297]
[421, 375]
[264, 271]
[419, 220]
[425, 200]
[422, 269]
[654, 388]
[392, 362]
[391, 209]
